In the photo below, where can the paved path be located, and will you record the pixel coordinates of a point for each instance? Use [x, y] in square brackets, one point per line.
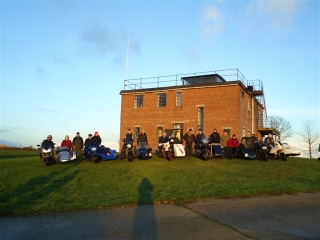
[264, 217]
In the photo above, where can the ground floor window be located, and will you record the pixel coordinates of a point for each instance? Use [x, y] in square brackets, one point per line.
[136, 131]
[159, 131]
[200, 118]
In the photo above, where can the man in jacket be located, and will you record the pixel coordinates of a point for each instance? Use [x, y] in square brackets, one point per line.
[77, 143]
[97, 139]
[189, 139]
[223, 142]
[215, 137]
[142, 137]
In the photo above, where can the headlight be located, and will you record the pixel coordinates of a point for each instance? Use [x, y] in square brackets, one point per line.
[93, 149]
[264, 147]
[129, 145]
[246, 155]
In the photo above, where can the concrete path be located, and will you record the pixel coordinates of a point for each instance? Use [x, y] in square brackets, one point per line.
[264, 217]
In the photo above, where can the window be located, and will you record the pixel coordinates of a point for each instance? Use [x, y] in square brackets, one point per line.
[178, 99]
[243, 132]
[138, 101]
[200, 118]
[159, 131]
[178, 130]
[136, 131]
[161, 99]
[249, 104]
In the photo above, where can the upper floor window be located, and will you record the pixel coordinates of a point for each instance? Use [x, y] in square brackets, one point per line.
[161, 99]
[178, 99]
[138, 101]
[249, 104]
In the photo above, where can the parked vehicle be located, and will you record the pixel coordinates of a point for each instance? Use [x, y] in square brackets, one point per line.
[165, 151]
[261, 150]
[65, 155]
[128, 150]
[177, 149]
[247, 148]
[277, 151]
[91, 153]
[205, 150]
[106, 153]
[46, 153]
[143, 151]
[290, 152]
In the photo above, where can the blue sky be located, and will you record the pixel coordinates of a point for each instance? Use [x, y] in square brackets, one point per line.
[63, 63]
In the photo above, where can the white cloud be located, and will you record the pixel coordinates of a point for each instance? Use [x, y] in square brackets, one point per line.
[278, 15]
[213, 21]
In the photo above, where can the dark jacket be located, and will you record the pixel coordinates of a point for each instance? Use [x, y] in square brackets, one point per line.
[142, 138]
[215, 137]
[97, 139]
[175, 140]
[87, 142]
[129, 138]
[77, 143]
[200, 136]
[163, 139]
[51, 144]
[189, 138]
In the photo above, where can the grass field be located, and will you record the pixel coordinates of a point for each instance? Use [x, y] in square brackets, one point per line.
[28, 188]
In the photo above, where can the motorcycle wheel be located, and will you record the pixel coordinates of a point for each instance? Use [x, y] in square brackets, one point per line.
[264, 156]
[283, 157]
[130, 156]
[123, 154]
[169, 155]
[205, 155]
[95, 159]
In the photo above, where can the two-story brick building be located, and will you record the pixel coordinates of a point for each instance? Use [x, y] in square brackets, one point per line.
[204, 101]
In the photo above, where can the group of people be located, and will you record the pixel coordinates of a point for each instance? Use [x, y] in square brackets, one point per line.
[77, 143]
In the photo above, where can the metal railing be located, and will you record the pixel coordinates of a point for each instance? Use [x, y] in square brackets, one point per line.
[176, 80]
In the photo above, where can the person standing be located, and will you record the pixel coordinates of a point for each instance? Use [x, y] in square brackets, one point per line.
[215, 136]
[77, 143]
[87, 141]
[223, 142]
[142, 137]
[97, 139]
[189, 139]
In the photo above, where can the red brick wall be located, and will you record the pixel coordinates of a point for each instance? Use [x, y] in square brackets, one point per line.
[224, 107]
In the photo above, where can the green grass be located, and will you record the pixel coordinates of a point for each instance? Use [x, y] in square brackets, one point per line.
[27, 187]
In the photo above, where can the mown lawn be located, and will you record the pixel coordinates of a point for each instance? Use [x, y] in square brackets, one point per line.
[27, 187]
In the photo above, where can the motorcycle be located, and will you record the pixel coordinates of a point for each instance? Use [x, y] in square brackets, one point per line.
[91, 153]
[128, 150]
[144, 152]
[262, 151]
[46, 153]
[165, 150]
[64, 155]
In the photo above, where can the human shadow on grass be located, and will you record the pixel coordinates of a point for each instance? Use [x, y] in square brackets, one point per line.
[36, 190]
[144, 225]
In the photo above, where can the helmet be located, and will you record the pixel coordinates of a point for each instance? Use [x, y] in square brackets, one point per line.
[49, 136]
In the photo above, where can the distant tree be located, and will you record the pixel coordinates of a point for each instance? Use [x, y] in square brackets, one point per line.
[284, 126]
[310, 136]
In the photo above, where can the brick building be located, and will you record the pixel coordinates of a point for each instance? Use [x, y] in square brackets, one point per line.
[205, 101]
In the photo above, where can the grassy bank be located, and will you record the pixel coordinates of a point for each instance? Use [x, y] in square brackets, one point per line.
[27, 187]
